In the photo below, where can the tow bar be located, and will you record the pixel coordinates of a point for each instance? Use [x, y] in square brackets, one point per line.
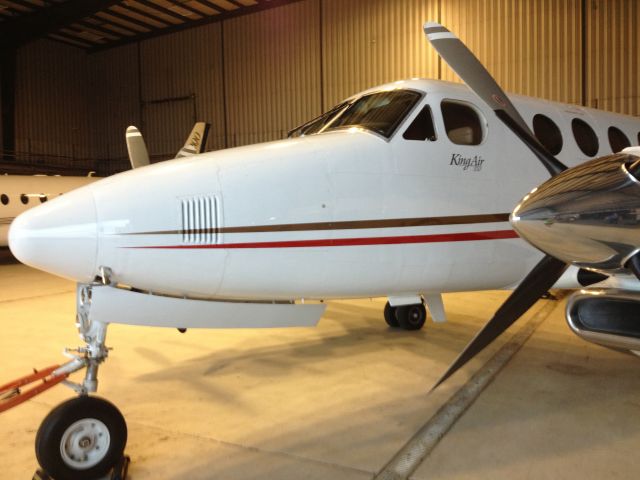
[11, 394]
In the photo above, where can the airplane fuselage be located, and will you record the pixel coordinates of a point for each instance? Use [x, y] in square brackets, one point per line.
[345, 213]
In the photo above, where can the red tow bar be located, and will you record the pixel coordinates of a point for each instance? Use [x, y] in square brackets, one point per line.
[12, 395]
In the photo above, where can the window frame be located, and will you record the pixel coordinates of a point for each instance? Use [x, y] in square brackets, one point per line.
[555, 125]
[396, 128]
[617, 131]
[426, 106]
[484, 125]
[575, 120]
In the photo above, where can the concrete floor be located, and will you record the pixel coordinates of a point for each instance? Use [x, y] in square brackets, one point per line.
[337, 401]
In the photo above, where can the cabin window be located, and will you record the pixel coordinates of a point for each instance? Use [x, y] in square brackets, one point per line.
[422, 127]
[462, 123]
[4, 199]
[380, 112]
[585, 137]
[618, 140]
[548, 133]
[43, 198]
[24, 199]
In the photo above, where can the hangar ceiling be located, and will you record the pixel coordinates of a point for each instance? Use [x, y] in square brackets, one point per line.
[95, 25]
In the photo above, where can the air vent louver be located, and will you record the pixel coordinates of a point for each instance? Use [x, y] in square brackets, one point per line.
[199, 220]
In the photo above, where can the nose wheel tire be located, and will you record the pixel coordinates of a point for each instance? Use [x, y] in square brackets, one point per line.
[390, 316]
[82, 438]
[411, 317]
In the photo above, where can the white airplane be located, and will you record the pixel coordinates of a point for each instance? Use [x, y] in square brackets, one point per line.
[19, 193]
[402, 191]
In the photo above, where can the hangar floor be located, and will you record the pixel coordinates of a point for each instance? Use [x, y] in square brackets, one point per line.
[338, 401]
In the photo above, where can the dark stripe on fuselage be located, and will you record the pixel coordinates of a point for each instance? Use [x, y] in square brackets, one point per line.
[345, 225]
[346, 242]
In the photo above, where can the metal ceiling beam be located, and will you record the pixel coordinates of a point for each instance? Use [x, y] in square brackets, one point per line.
[120, 18]
[166, 11]
[259, 7]
[30, 26]
[189, 8]
[131, 8]
[212, 6]
[97, 28]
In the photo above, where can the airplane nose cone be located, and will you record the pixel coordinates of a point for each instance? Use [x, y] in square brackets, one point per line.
[59, 237]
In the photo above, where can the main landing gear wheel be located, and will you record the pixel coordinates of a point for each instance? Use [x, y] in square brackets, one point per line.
[411, 317]
[390, 316]
[81, 439]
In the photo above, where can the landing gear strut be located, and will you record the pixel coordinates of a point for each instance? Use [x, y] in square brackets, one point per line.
[407, 317]
[83, 438]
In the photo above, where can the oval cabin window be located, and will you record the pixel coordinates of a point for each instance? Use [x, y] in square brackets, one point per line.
[24, 199]
[618, 140]
[462, 123]
[4, 199]
[586, 138]
[548, 133]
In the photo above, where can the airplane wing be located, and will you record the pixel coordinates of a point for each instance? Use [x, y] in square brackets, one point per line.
[196, 141]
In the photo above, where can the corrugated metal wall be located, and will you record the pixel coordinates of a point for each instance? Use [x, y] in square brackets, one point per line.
[114, 100]
[531, 47]
[257, 76]
[272, 71]
[181, 81]
[51, 101]
[613, 59]
[370, 42]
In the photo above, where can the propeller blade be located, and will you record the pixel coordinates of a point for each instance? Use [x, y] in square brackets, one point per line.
[536, 283]
[473, 73]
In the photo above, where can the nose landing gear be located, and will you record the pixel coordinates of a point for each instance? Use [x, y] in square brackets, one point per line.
[83, 438]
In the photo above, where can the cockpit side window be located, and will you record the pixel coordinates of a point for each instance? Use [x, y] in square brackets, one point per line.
[380, 112]
[462, 123]
[422, 127]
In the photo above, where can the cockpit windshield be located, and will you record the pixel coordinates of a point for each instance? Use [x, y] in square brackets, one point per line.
[380, 112]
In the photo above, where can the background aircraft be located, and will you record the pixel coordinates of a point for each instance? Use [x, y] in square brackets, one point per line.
[400, 191]
[19, 193]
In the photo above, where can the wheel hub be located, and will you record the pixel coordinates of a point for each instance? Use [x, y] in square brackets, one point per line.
[85, 443]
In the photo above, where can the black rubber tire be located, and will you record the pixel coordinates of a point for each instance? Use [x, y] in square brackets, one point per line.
[49, 437]
[390, 316]
[411, 317]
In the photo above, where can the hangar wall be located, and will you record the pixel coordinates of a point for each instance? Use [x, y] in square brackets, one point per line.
[255, 77]
[52, 111]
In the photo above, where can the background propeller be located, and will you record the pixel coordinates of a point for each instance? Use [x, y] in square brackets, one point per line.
[549, 269]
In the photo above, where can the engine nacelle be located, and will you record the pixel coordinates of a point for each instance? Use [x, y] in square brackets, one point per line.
[607, 317]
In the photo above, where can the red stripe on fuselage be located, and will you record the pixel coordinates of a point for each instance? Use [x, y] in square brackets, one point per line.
[351, 242]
